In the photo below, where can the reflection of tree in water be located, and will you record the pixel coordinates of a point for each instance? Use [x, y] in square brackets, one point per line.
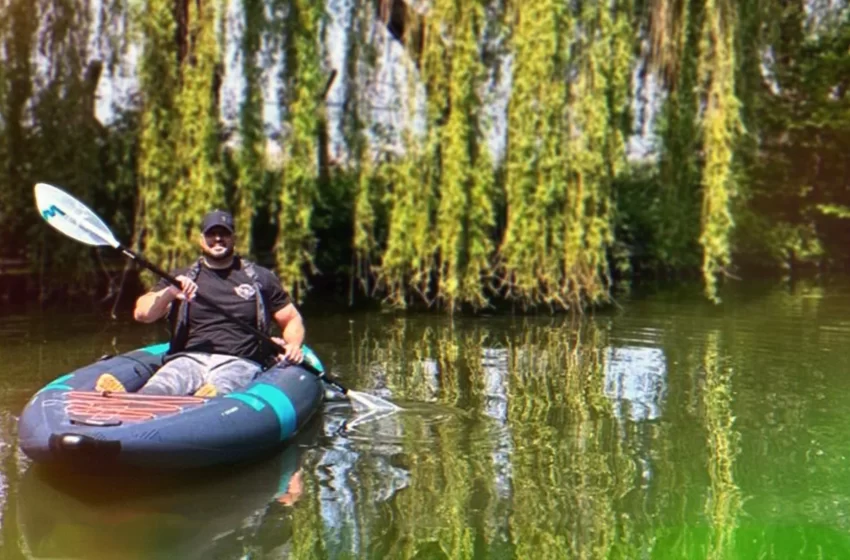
[724, 497]
[539, 468]
[523, 452]
[695, 489]
[12, 465]
[306, 518]
[448, 497]
[570, 467]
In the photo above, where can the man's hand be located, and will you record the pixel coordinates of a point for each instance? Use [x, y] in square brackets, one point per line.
[291, 352]
[188, 291]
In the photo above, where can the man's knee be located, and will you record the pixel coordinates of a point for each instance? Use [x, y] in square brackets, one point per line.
[234, 376]
[177, 377]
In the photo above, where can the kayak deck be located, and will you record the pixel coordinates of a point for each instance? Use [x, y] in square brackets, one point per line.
[94, 408]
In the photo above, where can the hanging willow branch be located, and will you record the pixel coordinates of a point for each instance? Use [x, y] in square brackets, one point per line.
[250, 158]
[198, 188]
[566, 127]
[303, 81]
[531, 250]
[721, 122]
[407, 261]
[679, 168]
[668, 25]
[694, 51]
[465, 212]
[369, 178]
[596, 154]
[159, 84]
[431, 221]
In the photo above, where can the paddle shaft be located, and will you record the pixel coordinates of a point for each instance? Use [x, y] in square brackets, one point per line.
[247, 326]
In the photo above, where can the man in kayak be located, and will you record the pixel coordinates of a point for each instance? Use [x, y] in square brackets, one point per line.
[210, 354]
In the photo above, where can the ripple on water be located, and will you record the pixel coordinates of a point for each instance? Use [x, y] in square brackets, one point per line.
[415, 424]
[419, 428]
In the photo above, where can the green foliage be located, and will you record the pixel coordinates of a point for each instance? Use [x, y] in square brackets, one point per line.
[749, 115]
[408, 259]
[792, 217]
[303, 80]
[198, 188]
[20, 23]
[679, 165]
[251, 158]
[641, 218]
[464, 213]
[159, 76]
[720, 123]
[567, 145]
[531, 249]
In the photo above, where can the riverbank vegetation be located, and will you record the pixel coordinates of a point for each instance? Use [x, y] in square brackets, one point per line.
[468, 153]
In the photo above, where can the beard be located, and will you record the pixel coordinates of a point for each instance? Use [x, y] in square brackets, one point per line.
[215, 255]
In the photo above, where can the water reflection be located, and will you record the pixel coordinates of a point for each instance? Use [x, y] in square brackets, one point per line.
[724, 502]
[635, 379]
[227, 513]
[494, 367]
[676, 431]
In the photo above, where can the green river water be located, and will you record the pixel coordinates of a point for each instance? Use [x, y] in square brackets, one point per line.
[665, 428]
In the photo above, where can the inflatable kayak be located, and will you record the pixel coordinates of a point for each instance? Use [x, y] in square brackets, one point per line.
[69, 423]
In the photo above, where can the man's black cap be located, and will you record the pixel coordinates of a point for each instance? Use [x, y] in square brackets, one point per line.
[218, 218]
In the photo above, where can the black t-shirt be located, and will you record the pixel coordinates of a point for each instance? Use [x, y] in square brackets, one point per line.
[232, 289]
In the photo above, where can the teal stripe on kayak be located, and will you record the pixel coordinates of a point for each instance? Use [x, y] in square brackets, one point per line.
[58, 383]
[250, 400]
[156, 349]
[281, 405]
[56, 387]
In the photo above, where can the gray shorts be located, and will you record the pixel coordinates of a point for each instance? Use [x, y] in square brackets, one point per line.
[188, 371]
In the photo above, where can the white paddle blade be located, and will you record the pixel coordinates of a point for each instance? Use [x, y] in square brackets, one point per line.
[72, 217]
[366, 402]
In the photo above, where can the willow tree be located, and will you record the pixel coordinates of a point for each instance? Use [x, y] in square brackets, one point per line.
[198, 188]
[66, 138]
[303, 117]
[440, 209]
[408, 258]
[695, 43]
[673, 57]
[178, 168]
[369, 182]
[721, 122]
[465, 212]
[19, 27]
[599, 100]
[159, 81]
[535, 184]
[566, 126]
[251, 152]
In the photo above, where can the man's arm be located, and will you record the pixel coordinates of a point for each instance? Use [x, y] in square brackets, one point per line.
[153, 305]
[292, 327]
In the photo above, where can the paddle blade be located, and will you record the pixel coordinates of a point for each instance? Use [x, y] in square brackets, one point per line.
[72, 217]
[367, 402]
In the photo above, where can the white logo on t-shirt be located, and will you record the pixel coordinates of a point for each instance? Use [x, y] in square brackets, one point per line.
[245, 291]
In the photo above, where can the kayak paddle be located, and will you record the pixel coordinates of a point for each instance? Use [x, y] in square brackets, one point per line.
[77, 221]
